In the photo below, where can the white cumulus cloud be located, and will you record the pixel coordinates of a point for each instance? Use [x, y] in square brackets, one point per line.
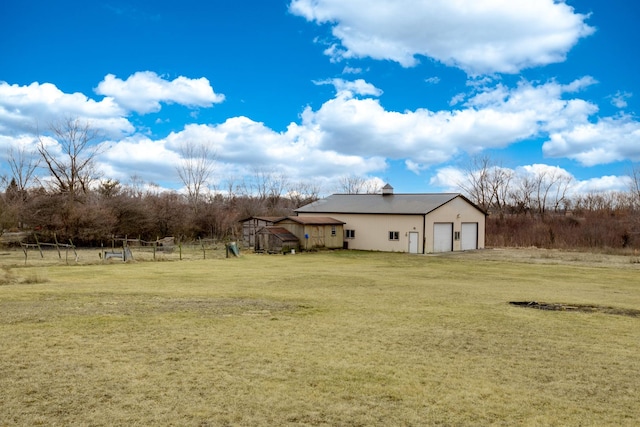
[479, 36]
[349, 134]
[608, 140]
[144, 91]
[619, 100]
[493, 117]
[241, 146]
[139, 155]
[355, 87]
[31, 108]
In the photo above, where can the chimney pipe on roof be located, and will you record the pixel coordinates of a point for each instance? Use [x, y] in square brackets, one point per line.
[387, 190]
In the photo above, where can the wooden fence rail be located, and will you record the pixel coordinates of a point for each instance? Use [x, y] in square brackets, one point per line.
[123, 248]
[39, 245]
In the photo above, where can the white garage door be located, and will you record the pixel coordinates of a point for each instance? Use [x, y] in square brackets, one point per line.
[443, 237]
[469, 236]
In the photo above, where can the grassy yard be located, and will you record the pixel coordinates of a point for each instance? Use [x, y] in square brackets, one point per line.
[338, 338]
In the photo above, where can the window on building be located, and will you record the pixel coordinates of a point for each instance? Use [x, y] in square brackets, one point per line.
[350, 234]
[394, 235]
[333, 230]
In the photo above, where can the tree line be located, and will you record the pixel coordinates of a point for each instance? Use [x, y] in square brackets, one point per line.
[71, 200]
[539, 208]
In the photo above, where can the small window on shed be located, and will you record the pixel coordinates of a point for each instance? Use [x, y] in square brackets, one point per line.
[394, 235]
[333, 230]
[350, 234]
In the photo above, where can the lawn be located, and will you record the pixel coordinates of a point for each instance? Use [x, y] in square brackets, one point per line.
[330, 338]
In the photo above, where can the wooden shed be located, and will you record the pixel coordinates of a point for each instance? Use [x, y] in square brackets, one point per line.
[251, 225]
[274, 239]
[314, 231]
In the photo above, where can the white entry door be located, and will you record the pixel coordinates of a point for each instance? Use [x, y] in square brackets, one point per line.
[413, 242]
[469, 236]
[443, 237]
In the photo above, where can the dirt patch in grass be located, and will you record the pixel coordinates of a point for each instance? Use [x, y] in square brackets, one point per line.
[583, 308]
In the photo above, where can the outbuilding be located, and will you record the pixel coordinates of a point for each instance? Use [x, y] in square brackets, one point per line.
[274, 239]
[251, 225]
[315, 231]
[414, 223]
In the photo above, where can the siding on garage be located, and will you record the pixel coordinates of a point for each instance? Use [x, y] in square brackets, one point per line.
[457, 212]
[372, 231]
[412, 218]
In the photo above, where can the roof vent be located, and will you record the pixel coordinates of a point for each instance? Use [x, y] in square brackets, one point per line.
[387, 190]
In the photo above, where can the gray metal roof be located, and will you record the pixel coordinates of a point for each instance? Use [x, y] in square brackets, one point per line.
[398, 204]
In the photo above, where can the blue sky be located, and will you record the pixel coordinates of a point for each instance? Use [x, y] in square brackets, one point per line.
[399, 91]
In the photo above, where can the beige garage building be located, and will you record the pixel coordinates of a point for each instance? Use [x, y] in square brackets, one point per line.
[414, 223]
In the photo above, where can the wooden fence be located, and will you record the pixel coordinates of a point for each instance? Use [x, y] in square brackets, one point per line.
[126, 249]
[57, 245]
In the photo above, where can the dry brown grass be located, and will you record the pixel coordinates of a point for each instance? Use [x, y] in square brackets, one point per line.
[340, 338]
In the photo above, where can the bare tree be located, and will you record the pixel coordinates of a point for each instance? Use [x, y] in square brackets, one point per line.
[109, 188]
[634, 184]
[487, 183]
[135, 187]
[23, 163]
[269, 186]
[268, 183]
[522, 194]
[498, 184]
[260, 183]
[352, 184]
[71, 162]
[195, 169]
[550, 189]
[561, 190]
[302, 193]
[474, 184]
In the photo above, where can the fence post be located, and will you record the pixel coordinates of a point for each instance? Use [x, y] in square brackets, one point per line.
[38, 244]
[204, 253]
[55, 239]
[74, 249]
[24, 248]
